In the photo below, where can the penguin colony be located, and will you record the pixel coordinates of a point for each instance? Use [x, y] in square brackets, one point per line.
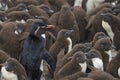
[60, 40]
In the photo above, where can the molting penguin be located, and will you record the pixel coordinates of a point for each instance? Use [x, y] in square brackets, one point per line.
[15, 32]
[95, 59]
[36, 11]
[97, 9]
[19, 7]
[111, 25]
[78, 63]
[104, 45]
[95, 23]
[47, 9]
[63, 41]
[60, 59]
[77, 47]
[13, 70]
[18, 15]
[80, 15]
[114, 66]
[98, 36]
[34, 51]
[67, 21]
[52, 20]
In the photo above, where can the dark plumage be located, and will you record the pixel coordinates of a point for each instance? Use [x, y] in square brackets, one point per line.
[59, 60]
[3, 56]
[112, 28]
[19, 7]
[47, 9]
[60, 43]
[18, 15]
[67, 21]
[104, 45]
[12, 44]
[35, 11]
[52, 20]
[77, 47]
[27, 2]
[34, 51]
[80, 15]
[3, 16]
[95, 23]
[60, 3]
[98, 36]
[78, 63]
[97, 9]
[75, 76]
[114, 66]
[13, 70]
[100, 75]
[95, 59]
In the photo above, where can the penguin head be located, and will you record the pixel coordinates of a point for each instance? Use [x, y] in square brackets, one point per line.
[107, 17]
[79, 57]
[39, 28]
[64, 34]
[93, 54]
[47, 9]
[21, 7]
[10, 65]
[19, 28]
[103, 44]
[98, 36]
[81, 47]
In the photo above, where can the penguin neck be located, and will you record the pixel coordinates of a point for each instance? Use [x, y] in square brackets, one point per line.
[5, 75]
[108, 29]
[109, 53]
[83, 66]
[70, 44]
[98, 63]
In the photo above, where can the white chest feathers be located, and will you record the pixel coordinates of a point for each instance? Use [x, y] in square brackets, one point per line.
[108, 29]
[119, 71]
[89, 5]
[78, 3]
[98, 63]
[3, 6]
[110, 54]
[83, 66]
[5, 75]
[70, 44]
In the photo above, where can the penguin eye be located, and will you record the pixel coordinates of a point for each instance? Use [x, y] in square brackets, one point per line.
[92, 54]
[67, 34]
